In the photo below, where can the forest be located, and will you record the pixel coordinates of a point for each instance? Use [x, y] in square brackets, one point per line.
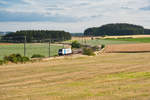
[116, 29]
[36, 36]
[146, 31]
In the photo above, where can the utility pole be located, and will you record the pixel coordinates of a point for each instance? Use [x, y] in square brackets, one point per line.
[85, 40]
[82, 39]
[63, 42]
[49, 50]
[25, 45]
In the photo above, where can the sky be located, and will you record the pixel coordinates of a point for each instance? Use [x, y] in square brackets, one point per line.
[71, 15]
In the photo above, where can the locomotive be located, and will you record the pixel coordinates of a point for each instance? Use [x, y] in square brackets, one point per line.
[64, 51]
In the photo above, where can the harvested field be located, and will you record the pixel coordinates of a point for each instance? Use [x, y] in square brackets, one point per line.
[128, 48]
[80, 38]
[6, 43]
[105, 77]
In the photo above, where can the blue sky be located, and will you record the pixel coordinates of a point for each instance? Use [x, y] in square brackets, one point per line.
[71, 15]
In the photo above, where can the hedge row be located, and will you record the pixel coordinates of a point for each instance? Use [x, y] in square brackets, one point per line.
[14, 58]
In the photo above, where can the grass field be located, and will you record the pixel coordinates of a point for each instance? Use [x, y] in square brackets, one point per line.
[106, 42]
[128, 39]
[31, 49]
[43, 48]
[111, 41]
[100, 41]
[104, 77]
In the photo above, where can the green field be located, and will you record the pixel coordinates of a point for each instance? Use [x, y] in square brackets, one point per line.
[43, 48]
[102, 41]
[108, 41]
[134, 40]
[31, 49]
[105, 41]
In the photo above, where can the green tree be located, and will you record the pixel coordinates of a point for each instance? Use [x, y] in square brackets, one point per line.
[37, 35]
[75, 44]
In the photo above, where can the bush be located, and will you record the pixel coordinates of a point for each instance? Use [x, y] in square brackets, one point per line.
[5, 61]
[25, 59]
[1, 62]
[102, 46]
[88, 51]
[11, 58]
[37, 56]
[15, 58]
[75, 44]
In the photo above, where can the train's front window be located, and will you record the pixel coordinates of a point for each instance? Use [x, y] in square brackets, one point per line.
[60, 50]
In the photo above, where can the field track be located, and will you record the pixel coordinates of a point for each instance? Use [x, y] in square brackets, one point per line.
[128, 48]
[104, 77]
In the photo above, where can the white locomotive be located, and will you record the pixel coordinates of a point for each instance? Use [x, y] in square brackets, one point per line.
[63, 51]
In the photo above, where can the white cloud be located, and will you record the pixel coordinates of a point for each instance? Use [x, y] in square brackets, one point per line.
[87, 12]
[3, 2]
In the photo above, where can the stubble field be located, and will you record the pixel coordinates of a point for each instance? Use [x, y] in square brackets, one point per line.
[128, 48]
[105, 77]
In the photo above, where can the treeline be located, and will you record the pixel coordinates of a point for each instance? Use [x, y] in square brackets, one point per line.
[36, 36]
[146, 31]
[116, 29]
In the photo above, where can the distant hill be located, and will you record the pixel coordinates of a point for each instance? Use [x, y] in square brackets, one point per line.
[3, 33]
[117, 29]
[146, 31]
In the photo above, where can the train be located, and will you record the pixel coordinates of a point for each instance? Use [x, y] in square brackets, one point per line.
[64, 51]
